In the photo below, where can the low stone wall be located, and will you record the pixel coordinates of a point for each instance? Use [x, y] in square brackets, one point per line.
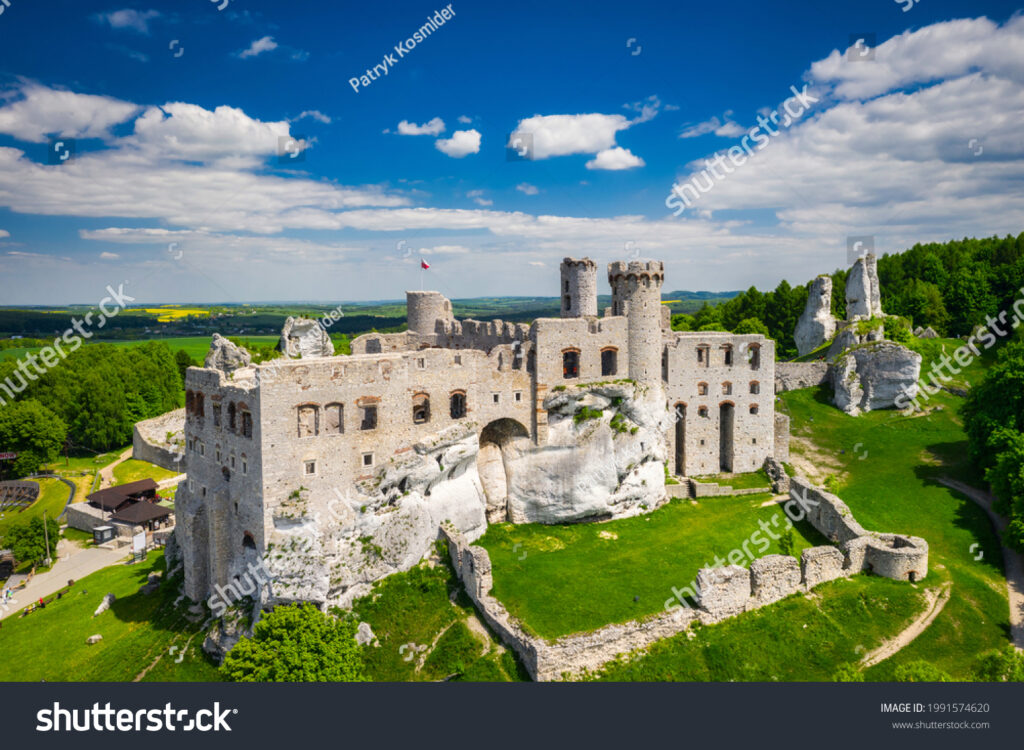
[149, 441]
[719, 593]
[85, 517]
[790, 376]
[710, 489]
[898, 556]
[826, 512]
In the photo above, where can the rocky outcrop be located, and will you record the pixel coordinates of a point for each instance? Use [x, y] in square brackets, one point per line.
[925, 333]
[817, 324]
[306, 339]
[226, 356]
[850, 336]
[863, 294]
[873, 376]
[603, 458]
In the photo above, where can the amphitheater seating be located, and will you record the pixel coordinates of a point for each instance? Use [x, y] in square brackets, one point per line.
[17, 496]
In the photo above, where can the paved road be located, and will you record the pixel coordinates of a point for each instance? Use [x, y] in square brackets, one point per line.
[79, 563]
[1013, 562]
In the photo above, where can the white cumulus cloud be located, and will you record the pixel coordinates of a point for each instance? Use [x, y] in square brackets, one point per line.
[615, 159]
[461, 143]
[137, 20]
[527, 188]
[263, 44]
[434, 127]
[43, 111]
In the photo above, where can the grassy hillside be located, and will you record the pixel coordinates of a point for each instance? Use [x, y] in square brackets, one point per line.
[579, 577]
[138, 632]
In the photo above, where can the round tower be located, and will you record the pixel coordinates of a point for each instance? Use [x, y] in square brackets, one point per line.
[424, 309]
[636, 293]
[579, 288]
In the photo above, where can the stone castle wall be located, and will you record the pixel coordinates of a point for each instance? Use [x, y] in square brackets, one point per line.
[636, 293]
[579, 288]
[220, 506]
[150, 443]
[790, 376]
[699, 380]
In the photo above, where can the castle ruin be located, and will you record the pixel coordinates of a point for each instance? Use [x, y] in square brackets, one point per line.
[363, 456]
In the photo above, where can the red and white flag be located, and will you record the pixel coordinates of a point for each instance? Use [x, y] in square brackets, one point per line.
[424, 264]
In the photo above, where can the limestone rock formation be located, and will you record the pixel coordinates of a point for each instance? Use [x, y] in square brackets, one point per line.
[609, 465]
[305, 338]
[872, 377]
[863, 294]
[226, 356]
[928, 333]
[817, 324]
[92, 640]
[849, 336]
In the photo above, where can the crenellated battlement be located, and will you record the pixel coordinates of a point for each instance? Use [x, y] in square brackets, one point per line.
[652, 269]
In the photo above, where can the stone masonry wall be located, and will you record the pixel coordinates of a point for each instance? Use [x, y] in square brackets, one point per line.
[699, 381]
[149, 441]
[790, 376]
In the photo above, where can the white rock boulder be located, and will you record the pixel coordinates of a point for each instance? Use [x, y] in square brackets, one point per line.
[306, 339]
[874, 377]
[226, 356]
[817, 324]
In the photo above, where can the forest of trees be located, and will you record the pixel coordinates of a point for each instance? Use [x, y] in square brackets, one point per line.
[951, 286]
[994, 421]
[91, 400]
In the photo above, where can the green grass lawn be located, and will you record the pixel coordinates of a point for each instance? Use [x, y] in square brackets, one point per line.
[800, 638]
[90, 462]
[414, 609]
[49, 644]
[133, 470]
[53, 495]
[580, 577]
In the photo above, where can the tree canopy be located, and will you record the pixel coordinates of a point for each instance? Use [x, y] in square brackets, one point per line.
[297, 643]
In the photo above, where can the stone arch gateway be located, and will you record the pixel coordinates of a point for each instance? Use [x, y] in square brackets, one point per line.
[499, 442]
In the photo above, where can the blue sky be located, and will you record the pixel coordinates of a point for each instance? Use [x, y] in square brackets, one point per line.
[178, 111]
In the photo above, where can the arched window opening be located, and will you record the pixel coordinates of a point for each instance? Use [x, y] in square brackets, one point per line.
[457, 405]
[309, 420]
[420, 408]
[570, 364]
[334, 419]
[609, 361]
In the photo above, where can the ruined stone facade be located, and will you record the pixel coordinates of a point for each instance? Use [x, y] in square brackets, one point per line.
[369, 452]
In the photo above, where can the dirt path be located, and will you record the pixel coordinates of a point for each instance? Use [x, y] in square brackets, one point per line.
[1013, 562]
[107, 472]
[936, 599]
